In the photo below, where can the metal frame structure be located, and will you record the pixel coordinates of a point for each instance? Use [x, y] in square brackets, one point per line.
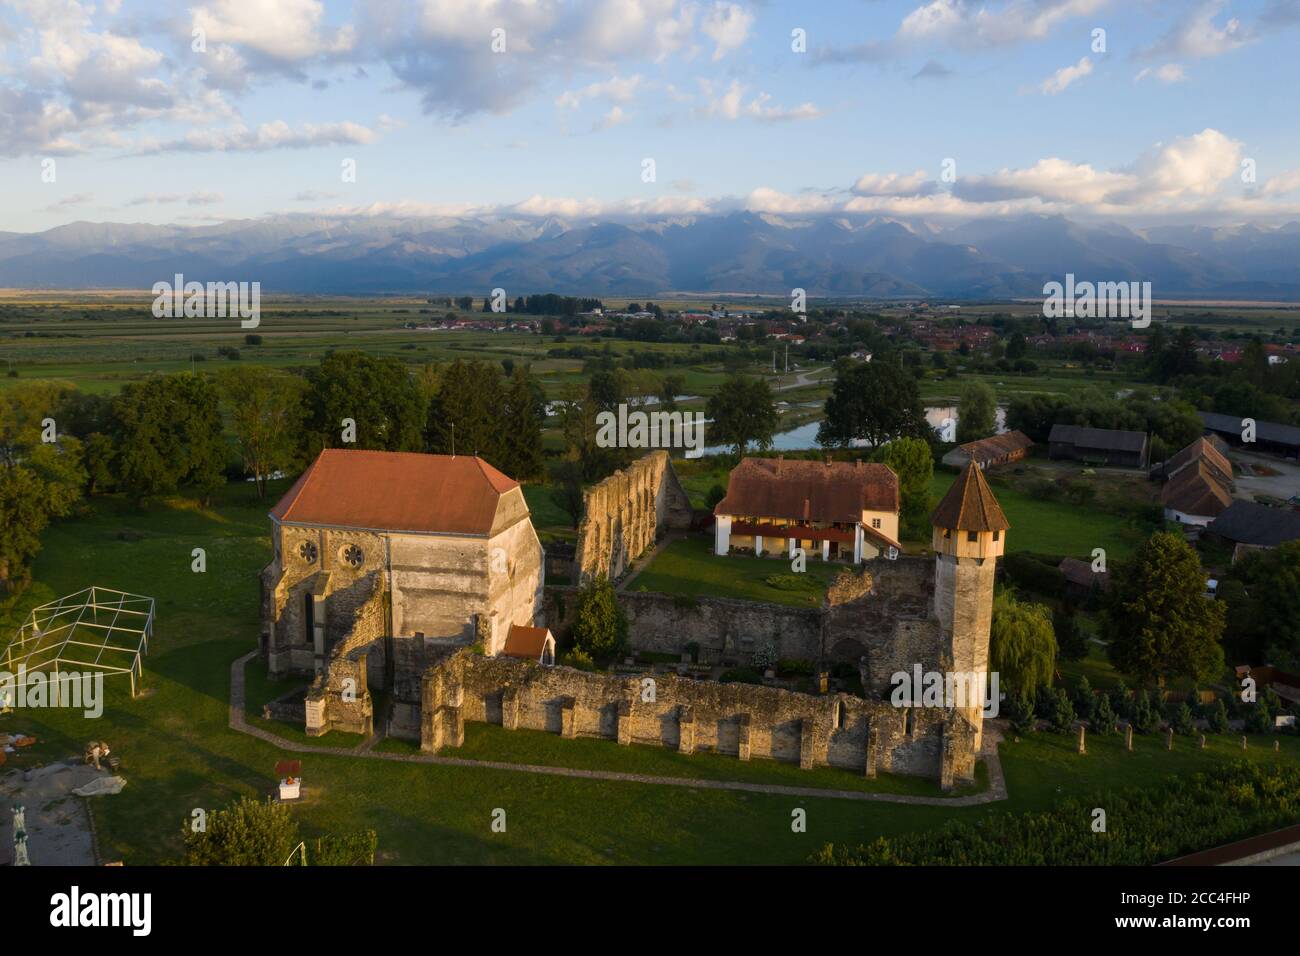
[79, 629]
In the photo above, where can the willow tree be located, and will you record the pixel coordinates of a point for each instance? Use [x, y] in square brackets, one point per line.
[1022, 645]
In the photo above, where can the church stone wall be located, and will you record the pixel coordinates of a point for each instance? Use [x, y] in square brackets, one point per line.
[623, 515]
[742, 720]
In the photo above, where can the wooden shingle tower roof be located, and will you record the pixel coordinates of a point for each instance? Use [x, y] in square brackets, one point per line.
[969, 505]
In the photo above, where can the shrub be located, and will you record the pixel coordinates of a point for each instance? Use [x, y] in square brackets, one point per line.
[1062, 715]
[1183, 722]
[1033, 574]
[1218, 717]
[1143, 717]
[1103, 719]
[247, 833]
[344, 849]
[793, 667]
[577, 659]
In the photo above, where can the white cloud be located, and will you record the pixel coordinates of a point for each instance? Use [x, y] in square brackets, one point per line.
[981, 24]
[731, 104]
[1063, 77]
[1196, 35]
[1168, 74]
[274, 135]
[616, 89]
[289, 31]
[1282, 183]
[193, 199]
[895, 184]
[727, 25]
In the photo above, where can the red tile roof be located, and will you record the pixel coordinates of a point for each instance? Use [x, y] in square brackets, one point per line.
[396, 491]
[996, 446]
[808, 490]
[526, 642]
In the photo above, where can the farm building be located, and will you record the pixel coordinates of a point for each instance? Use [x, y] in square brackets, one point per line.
[1099, 446]
[1270, 437]
[844, 510]
[1198, 483]
[1251, 526]
[994, 450]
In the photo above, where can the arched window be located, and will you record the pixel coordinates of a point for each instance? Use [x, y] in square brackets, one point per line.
[841, 715]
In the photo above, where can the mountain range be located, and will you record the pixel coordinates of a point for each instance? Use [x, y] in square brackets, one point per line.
[741, 252]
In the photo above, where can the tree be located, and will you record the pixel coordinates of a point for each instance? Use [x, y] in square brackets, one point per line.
[1085, 701]
[1071, 642]
[1157, 618]
[1183, 722]
[911, 460]
[601, 626]
[378, 394]
[742, 413]
[39, 480]
[568, 490]
[247, 833]
[1263, 621]
[1022, 646]
[875, 402]
[1218, 717]
[520, 426]
[1143, 718]
[1062, 713]
[1103, 718]
[169, 434]
[977, 411]
[265, 409]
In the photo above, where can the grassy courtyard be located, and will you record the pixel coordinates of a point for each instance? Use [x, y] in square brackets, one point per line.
[688, 567]
[178, 753]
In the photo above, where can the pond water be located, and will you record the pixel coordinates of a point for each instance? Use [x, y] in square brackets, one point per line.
[805, 436]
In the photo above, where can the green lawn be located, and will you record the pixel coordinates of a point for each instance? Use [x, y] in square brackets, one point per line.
[1057, 527]
[178, 753]
[689, 567]
[490, 742]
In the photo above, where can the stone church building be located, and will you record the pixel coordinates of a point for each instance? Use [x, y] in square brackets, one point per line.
[383, 562]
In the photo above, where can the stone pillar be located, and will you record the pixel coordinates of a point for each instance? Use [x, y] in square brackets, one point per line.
[946, 759]
[453, 727]
[1169, 738]
[873, 744]
[510, 708]
[1277, 746]
[685, 729]
[758, 545]
[1202, 741]
[624, 722]
[315, 705]
[857, 544]
[568, 715]
[826, 549]
[1128, 738]
[1083, 746]
[807, 744]
[1243, 741]
[742, 735]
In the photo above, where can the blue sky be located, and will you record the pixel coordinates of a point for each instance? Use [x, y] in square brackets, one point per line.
[142, 127]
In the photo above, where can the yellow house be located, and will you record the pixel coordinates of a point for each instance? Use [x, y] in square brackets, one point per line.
[847, 511]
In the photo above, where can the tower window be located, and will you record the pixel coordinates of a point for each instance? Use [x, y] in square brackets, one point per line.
[997, 535]
[972, 536]
[841, 715]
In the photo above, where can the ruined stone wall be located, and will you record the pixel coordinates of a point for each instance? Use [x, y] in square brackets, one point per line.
[743, 720]
[624, 513]
[339, 698]
[881, 613]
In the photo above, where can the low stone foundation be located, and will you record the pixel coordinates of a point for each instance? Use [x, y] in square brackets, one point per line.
[743, 720]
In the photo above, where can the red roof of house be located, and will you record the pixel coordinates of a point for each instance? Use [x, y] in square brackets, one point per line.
[526, 642]
[396, 491]
[808, 490]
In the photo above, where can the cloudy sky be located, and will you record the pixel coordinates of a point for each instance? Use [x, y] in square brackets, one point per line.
[1134, 110]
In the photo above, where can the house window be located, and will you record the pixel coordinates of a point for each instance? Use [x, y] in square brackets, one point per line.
[875, 522]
